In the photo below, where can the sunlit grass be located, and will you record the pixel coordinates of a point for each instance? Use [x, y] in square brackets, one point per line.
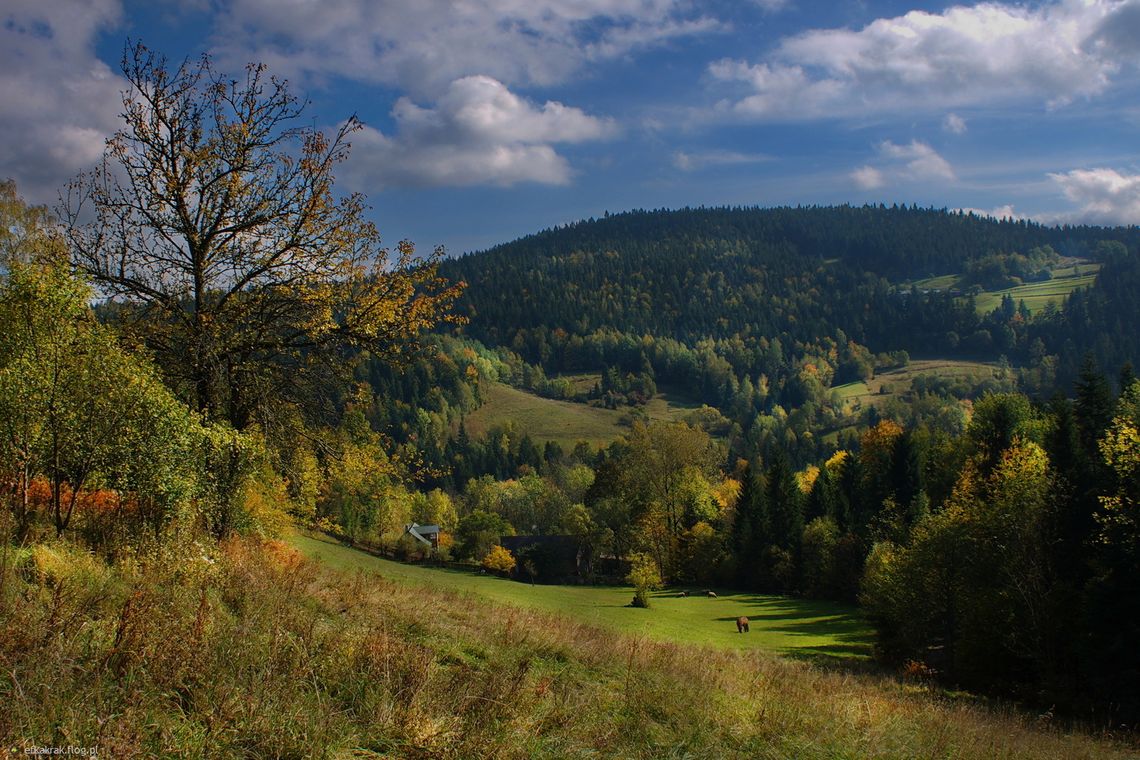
[779, 624]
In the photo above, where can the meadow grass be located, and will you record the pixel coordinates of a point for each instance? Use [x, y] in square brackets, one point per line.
[544, 419]
[1037, 294]
[792, 626]
[247, 650]
[565, 422]
[889, 383]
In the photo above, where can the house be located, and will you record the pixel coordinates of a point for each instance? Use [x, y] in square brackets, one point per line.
[425, 534]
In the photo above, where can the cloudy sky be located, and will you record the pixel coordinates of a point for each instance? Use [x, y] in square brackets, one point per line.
[490, 119]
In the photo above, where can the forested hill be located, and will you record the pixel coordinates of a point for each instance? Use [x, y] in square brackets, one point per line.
[897, 241]
[816, 278]
[663, 262]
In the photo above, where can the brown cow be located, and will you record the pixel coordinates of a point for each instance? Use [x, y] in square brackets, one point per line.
[742, 624]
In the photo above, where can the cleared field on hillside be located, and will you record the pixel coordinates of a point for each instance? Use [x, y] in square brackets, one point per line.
[564, 422]
[890, 383]
[1066, 278]
[1037, 294]
[544, 419]
[791, 626]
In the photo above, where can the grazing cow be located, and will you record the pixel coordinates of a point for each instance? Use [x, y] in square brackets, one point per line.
[683, 593]
[742, 624]
[710, 594]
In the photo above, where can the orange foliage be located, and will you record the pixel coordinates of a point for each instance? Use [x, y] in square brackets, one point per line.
[98, 502]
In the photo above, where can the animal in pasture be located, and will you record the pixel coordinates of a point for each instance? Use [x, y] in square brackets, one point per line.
[742, 624]
[683, 594]
[710, 594]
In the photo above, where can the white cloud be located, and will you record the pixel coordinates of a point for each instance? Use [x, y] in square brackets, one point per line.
[695, 161]
[478, 132]
[772, 5]
[423, 46]
[1103, 196]
[954, 124]
[914, 162]
[999, 212]
[1051, 53]
[868, 178]
[60, 101]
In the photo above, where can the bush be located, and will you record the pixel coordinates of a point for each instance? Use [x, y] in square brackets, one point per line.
[645, 577]
[499, 560]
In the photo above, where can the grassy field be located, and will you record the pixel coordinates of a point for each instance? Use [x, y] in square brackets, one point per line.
[893, 382]
[789, 626]
[565, 422]
[544, 419]
[1037, 294]
[1066, 278]
[245, 649]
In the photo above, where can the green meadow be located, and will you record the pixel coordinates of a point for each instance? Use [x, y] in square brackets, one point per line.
[1037, 294]
[795, 627]
[565, 422]
[889, 383]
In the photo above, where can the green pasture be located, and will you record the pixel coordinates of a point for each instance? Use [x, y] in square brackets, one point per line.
[888, 383]
[544, 419]
[566, 422]
[1037, 294]
[800, 628]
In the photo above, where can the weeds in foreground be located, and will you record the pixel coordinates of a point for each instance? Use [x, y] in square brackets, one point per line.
[244, 649]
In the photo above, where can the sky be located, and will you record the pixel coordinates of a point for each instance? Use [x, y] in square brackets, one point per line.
[486, 120]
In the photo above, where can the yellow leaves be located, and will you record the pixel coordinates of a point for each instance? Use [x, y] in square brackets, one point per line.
[837, 461]
[499, 560]
[806, 478]
[1120, 447]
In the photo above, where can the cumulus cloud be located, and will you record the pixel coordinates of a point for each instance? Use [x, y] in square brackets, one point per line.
[868, 178]
[688, 162]
[954, 124]
[478, 132]
[60, 101]
[913, 162]
[1103, 196]
[1051, 52]
[423, 46]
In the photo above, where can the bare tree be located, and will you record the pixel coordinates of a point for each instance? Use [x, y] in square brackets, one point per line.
[213, 226]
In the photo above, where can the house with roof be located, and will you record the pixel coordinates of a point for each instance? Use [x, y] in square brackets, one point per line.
[425, 534]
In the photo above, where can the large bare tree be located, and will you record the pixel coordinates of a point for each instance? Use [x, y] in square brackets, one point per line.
[212, 224]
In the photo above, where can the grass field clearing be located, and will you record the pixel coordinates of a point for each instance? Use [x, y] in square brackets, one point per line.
[888, 383]
[544, 419]
[1037, 294]
[795, 627]
[566, 422]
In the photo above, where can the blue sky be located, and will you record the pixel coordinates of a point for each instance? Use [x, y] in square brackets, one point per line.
[490, 119]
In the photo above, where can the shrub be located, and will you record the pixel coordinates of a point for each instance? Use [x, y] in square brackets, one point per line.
[645, 577]
[499, 560]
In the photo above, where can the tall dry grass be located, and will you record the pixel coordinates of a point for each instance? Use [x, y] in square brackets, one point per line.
[244, 649]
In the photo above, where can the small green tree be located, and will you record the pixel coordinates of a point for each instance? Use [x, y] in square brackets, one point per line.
[645, 577]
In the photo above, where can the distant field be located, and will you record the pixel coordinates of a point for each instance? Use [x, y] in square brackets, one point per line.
[565, 422]
[1066, 278]
[1037, 294]
[892, 382]
[790, 626]
[942, 282]
[544, 419]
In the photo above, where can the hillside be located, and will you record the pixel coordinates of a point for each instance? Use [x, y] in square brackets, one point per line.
[281, 657]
